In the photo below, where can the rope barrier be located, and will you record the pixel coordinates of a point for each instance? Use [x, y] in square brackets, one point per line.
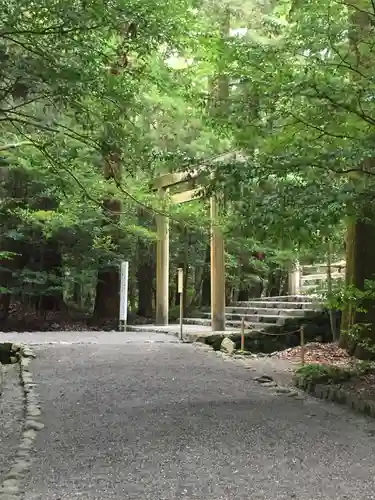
[282, 334]
[300, 331]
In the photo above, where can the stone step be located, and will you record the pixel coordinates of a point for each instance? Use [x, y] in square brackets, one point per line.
[230, 323]
[291, 313]
[310, 306]
[274, 319]
[281, 298]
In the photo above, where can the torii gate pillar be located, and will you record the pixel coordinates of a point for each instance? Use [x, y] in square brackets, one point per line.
[162, 267]
[217, 271]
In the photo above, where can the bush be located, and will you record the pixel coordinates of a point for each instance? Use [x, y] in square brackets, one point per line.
[316, 373]
[321, 374]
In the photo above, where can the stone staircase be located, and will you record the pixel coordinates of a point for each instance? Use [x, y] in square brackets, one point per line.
[266, 313]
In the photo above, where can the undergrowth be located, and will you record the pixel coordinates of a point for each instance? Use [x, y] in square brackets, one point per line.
[316, 373]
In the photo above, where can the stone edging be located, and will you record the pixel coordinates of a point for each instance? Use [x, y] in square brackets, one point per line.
[8, 354]
[338, 395]
[12, 485]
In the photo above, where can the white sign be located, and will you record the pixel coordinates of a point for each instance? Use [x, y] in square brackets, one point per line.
[124, 278]
[180, 280]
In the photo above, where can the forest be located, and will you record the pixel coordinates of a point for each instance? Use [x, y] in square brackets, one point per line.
[100, 98]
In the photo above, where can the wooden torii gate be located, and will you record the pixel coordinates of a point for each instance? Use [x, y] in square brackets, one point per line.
[162, 185]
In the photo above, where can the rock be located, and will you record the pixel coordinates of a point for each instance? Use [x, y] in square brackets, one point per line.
[26, 443]
[228, 346]
[263, 379]
[18, 468]
[10, 482]
[23, 453]
[33, 411]
[33, 425]
[28, 353]
[33, 400]
[244, 354]
[283, 390]
[269, 384]
[31, 395]
[9, 490]
[29, 434]
[292, 394]
[214, 340]
[25, 362]
[28, 387]
[8, 496]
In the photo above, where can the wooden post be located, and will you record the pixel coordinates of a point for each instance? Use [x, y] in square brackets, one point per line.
[180, 290]
[162, 267]
[302, 333]
[217, 272]
[242, 334]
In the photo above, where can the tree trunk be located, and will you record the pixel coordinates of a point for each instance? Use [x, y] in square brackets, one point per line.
[4, 306]
[243, 294]
[145, 279]
[360, 247]
[5, 283]
[274, 283]
[51, 264]
[146, 269]
[107, 299]
[360, 266]
[77, 294]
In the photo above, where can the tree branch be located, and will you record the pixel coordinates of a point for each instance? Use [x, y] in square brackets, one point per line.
[28, 49]
[336, 104]
[5, 147]
[25, 103]
[319, 129]
[24, 119]
[51, 30]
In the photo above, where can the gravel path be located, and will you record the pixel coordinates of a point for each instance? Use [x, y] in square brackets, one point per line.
[11, 417]
[136, 419]
[88, 337]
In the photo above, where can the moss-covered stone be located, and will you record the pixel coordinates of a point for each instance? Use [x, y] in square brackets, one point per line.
[282, 336]
[6, 353]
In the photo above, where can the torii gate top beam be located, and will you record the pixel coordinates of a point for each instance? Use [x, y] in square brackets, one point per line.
[168, 180]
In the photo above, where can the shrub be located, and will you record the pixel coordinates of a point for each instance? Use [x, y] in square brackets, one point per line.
[322, 374]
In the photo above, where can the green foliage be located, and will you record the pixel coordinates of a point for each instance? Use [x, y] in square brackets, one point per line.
[344, 296]
[322, 374]
[359, 335]
[315, 373]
